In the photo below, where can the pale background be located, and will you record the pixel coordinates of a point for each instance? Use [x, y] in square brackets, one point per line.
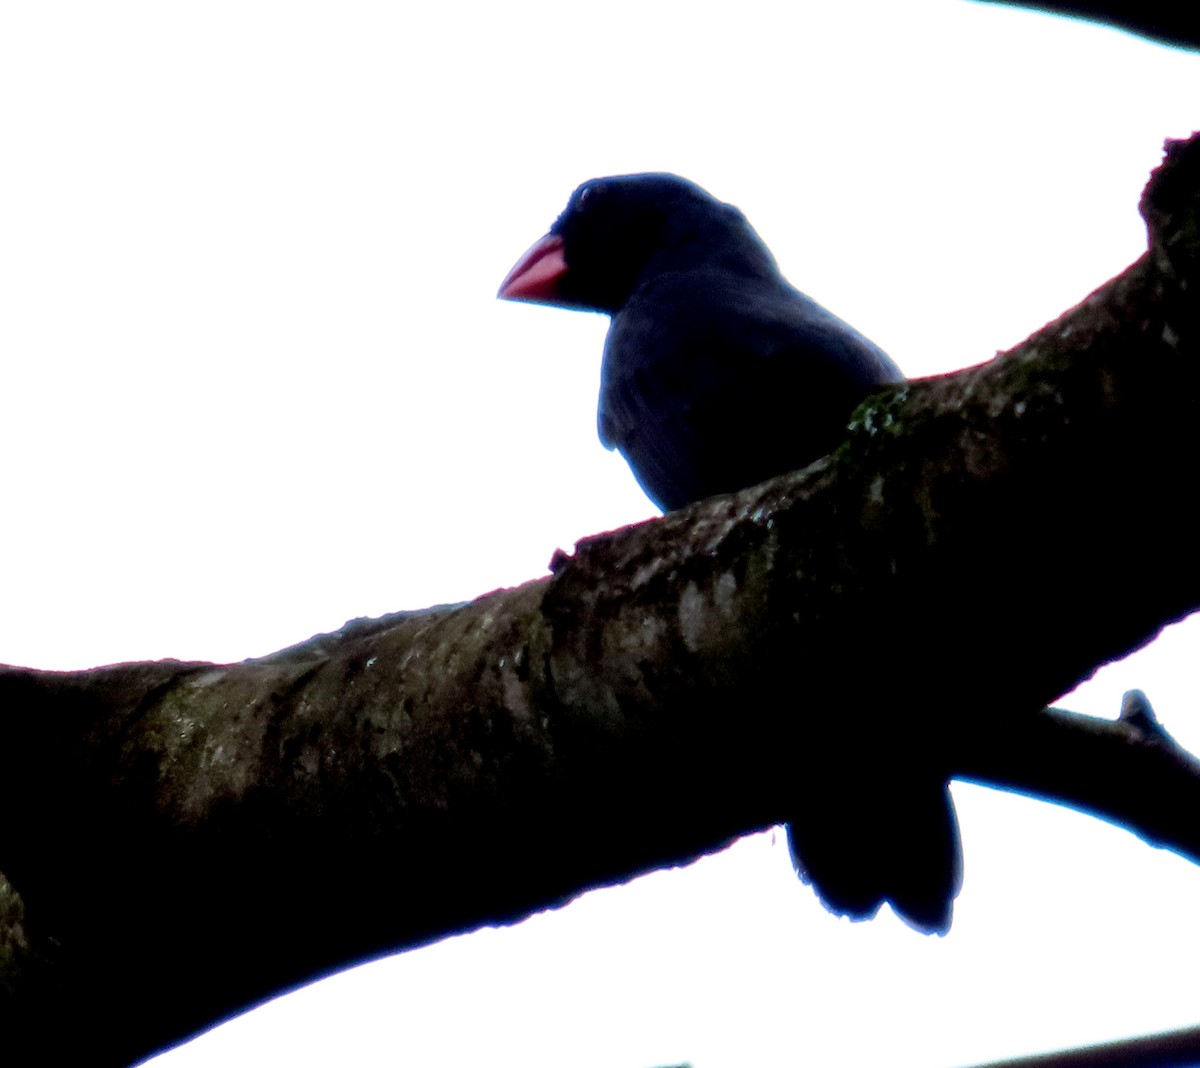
[256, 383]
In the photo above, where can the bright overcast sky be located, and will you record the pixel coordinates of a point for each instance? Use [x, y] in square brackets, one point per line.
[257, 383]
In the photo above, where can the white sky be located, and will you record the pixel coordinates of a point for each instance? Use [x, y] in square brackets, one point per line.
[257, 383]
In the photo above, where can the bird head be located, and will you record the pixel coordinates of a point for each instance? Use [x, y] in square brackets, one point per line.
[615, 232]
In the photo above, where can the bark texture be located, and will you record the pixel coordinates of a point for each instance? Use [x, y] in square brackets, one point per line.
[183, 840]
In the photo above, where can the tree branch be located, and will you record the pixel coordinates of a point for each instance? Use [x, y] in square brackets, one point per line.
[1173, 1049]
[187, 839]
[1159, 20]
[1129, 771]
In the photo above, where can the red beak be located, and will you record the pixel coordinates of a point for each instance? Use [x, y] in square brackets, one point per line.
[536, 275]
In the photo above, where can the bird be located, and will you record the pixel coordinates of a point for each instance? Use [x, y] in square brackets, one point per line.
[716, 375]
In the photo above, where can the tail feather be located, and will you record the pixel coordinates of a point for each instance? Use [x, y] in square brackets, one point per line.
[894, 842]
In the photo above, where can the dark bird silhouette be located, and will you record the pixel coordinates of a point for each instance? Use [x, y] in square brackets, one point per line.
[717, 375]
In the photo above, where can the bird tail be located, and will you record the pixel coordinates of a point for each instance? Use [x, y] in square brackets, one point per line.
[859, 845]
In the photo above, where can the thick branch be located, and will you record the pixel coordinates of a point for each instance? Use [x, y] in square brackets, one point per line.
[188, 838]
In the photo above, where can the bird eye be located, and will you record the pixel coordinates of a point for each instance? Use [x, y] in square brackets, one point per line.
[588, 195]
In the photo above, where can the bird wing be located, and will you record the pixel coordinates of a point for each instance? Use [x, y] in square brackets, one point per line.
[712, 383]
